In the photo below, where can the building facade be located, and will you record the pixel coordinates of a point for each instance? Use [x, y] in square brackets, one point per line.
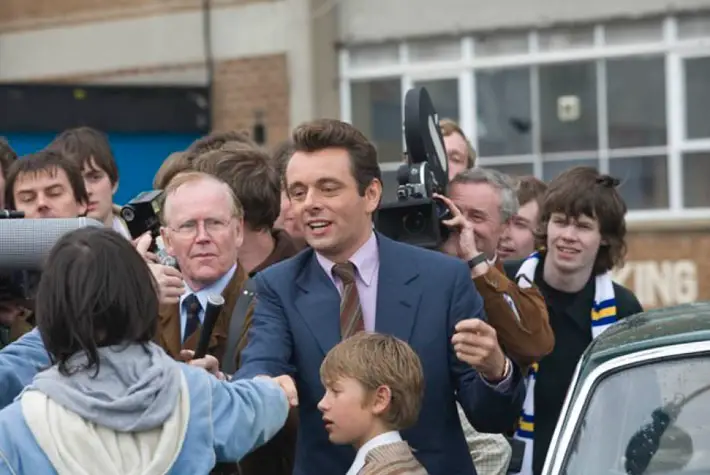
[538, 87]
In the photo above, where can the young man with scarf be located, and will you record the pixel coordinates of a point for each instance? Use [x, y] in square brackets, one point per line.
[583, 232]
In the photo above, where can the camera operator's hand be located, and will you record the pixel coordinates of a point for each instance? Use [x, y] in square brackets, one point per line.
[142, 244]
[170, 283]
[463, 228]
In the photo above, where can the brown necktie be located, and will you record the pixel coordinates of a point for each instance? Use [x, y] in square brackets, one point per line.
[351, 320]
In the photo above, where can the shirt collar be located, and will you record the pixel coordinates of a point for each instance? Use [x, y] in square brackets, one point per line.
[217, 287]
[366, 261]
[378, 441]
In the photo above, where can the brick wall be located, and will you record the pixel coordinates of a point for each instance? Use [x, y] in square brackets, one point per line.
[29, 14]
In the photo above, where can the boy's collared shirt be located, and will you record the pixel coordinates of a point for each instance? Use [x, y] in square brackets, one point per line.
[382, 439]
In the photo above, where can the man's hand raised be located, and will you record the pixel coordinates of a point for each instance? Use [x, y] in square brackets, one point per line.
[170, 283]
[476, 343]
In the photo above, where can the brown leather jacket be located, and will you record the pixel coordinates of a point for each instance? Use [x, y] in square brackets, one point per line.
[524, 333]
[277, 456]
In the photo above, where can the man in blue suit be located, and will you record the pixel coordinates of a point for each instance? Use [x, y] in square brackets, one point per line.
[352, 279]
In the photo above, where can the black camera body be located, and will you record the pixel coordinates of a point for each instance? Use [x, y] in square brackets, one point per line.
[416, 217]
[142, 215]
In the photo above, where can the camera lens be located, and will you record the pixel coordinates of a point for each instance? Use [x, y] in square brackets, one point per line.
[414, 222]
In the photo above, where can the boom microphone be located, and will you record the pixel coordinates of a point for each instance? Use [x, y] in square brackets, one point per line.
[215, 302]
[25, 243]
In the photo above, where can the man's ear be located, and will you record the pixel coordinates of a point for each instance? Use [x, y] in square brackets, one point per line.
[167, 240]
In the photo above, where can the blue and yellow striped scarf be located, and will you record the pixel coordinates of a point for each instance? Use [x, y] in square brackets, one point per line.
[602, 317]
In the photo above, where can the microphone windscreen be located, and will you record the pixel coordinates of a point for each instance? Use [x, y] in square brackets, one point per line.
[25, 243]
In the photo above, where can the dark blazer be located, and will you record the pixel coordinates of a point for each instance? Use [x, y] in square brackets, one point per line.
[421, 296]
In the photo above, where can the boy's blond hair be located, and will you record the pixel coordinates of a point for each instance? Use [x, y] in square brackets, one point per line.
[449, 127]
[376, 360]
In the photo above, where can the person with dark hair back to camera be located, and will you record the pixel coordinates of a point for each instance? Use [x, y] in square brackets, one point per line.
[353, 279]
[113, 402]
[584, 232]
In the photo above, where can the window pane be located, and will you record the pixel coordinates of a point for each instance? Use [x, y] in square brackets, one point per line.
[504, 119]
[445, 96]
[568, 107]
[635, 32]
[498, 44]
[636, 101]
[644, 181]
[514, 170]
[438, 49]
[374, 55]
[697, 97]
[377, 112]
[693, 26]
[696, 170]
[566, 38]
[551, 169]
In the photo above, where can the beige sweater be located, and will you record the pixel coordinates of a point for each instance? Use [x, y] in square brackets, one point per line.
[392, 459]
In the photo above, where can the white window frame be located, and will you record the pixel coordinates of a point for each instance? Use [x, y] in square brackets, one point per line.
[674, 49]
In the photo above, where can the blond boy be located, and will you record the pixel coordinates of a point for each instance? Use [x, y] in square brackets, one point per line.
[374, 387]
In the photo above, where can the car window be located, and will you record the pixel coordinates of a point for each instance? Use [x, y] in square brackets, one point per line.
[650, 419]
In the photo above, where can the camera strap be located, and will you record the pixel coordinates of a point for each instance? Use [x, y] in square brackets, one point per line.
[236, 326]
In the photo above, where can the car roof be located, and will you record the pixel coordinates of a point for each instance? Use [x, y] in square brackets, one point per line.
[648, 330]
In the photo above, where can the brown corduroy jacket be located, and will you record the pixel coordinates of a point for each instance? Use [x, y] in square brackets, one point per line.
[392, 459]
[525, 333]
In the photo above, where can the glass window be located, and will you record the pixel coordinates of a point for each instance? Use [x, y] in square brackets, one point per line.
[634, 32]
[621, 408]
[566, 38]
[377, 112]
[696, 170]
[435, 49]
[514, 170]
[693, 26]
[504, 118]
[497, 44]
[444, 94]
[568, 107]
[644, 181]
[374, 55]
[636, 102]
[550, 169]
[697, 97]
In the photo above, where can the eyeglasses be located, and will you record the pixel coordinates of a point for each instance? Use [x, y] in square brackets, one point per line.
[212, 227]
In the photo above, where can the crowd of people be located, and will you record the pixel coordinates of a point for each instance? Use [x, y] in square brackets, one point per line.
[337, 349]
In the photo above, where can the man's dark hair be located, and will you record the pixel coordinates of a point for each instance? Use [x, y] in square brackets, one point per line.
[45, 161]
[584, 191]
[7, 156]
[530, 188]
[329, 133]
[249, 171]
[85, 145]
[216, 140]
[95, 291]
[280, 156]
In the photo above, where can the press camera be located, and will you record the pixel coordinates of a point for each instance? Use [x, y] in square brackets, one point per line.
[142, 215]
[415, 218]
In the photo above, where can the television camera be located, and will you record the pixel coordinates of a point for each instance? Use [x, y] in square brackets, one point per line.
[415, 218]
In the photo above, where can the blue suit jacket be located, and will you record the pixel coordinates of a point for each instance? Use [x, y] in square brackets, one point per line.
[421, 296]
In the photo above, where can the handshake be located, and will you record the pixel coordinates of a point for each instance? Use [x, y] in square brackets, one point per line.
[211, 365]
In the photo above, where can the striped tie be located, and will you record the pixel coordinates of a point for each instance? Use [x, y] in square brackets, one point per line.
[192, 307]
[350, 310]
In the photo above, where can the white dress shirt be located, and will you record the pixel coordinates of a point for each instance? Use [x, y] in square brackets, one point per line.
[382, 439]
[216, 288]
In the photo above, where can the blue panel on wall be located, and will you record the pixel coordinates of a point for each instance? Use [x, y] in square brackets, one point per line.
[138, 156]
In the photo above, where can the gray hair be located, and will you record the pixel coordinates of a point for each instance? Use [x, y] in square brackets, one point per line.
[500, 181]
